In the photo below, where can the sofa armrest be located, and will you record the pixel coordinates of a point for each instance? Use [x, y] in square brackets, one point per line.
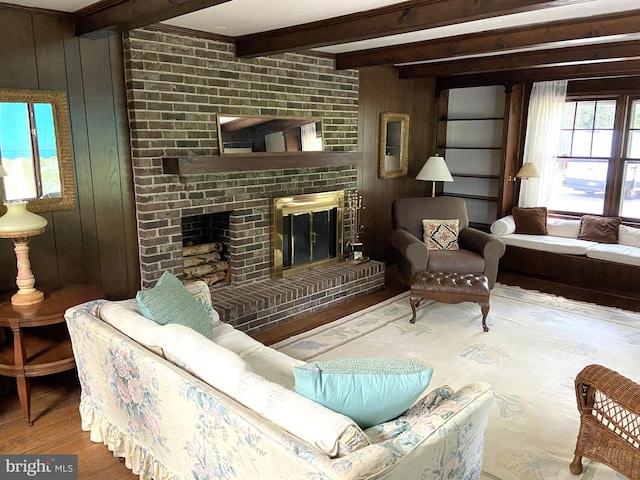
[411, 248]
[450, 436]
[490, 247]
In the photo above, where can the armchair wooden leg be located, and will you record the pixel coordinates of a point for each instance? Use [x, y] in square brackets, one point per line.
[576, 465]
[415, 302]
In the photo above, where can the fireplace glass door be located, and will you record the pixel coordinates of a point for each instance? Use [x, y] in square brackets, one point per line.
[306, 231]
[309, 237]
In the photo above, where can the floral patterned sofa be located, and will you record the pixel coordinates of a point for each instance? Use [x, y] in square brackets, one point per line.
[158, 402]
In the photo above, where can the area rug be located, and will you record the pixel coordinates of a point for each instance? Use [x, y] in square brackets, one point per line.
[536, 345]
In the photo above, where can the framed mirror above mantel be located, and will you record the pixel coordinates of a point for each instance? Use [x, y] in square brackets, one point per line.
[254, 142]
[247, 134]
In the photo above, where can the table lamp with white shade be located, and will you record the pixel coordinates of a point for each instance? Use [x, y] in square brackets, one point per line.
[435, 170]
[19, 224]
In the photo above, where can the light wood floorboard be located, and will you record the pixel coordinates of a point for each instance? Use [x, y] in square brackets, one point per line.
[55, 399]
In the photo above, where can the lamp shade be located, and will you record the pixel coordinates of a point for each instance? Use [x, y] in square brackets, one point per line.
[528, 170]
[435, 170]
[3, 172]
[20, 220]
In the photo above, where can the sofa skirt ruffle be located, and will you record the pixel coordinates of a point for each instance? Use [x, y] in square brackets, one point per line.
[136, 458]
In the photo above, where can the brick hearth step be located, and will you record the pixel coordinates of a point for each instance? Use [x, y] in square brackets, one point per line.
[261, 305]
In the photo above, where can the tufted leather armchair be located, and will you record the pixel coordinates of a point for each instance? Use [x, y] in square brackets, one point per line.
[479, 251]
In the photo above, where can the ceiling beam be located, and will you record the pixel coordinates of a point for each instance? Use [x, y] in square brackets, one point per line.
[403, 17]
[622, 68]
[525, 60]
[493, 41]
[111, 16]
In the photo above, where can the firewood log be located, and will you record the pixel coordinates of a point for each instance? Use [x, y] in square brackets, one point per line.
[201, 249]
[214, 278]
[202, 270]
[195, 260]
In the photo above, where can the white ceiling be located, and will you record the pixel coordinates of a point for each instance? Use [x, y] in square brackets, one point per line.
[241, 17]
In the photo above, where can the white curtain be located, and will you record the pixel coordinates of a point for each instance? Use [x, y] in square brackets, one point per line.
[308, 136]
[310, 139]
[541, 141]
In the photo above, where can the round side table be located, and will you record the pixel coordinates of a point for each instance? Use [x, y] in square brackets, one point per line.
[41, 344]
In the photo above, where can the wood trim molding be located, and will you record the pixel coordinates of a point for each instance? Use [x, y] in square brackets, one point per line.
[257, 161]
[111, 16]
[390, 20]
[524, 60]
[629, 67]
[494, 41]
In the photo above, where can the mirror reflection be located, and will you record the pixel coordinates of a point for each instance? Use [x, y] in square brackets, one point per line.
[254, 134]
[394, 145]
[35, 149]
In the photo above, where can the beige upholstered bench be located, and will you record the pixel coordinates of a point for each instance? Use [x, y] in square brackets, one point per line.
[451, 288]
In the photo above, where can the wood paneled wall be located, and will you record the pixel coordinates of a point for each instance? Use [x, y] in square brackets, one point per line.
[381, 91]
[96, 242]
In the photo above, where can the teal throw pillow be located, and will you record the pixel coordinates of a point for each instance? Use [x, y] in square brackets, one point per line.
[370, 391]
[170, 302]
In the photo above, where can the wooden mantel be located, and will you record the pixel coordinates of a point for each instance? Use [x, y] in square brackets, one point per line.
[256, 161]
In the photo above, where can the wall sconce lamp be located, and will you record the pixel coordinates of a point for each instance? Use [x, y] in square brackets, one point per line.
[19, 225]
[435, 170]
[528, 170]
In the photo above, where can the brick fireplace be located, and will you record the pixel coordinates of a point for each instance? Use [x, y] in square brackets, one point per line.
[253, 300]
[176, 85]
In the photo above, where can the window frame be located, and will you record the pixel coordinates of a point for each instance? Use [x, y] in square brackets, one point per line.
[612, 201]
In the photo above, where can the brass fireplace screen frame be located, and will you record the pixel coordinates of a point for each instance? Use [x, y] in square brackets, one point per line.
[298, 204]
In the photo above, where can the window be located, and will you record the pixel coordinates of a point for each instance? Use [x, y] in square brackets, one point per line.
[630, 206]
[29, 152]
[590, 174]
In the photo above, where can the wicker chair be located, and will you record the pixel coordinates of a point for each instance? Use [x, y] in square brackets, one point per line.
[609, 406]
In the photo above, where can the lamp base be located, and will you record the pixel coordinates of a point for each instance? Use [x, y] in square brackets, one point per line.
[27, 294]
[27, 298]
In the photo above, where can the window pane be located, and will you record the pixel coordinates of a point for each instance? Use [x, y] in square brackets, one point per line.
[602, 143]
[585, 115]
[634, 144]
[578, 186]
[605, 114]
[635, 114]
[17, 156]
[568, 114]
[630, 203]
[564, 143]
[581, 143]
[48, 150]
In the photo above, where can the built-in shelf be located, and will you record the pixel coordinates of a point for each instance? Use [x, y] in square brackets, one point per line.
[474, 175]
[470, 135]
[256, 161]
[449, 147]
[471, 197]
[470, 119]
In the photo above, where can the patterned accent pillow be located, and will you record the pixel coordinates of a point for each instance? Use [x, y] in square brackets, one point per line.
[441, 234]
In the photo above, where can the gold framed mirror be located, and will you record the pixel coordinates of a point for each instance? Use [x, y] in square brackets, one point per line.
[393, 155]
[35, 143]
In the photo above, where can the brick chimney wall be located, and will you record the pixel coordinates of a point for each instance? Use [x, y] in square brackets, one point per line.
[176, 84]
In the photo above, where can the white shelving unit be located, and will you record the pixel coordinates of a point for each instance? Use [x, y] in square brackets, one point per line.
[470, 136]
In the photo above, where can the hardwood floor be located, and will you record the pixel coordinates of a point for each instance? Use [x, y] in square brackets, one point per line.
[54, 402]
